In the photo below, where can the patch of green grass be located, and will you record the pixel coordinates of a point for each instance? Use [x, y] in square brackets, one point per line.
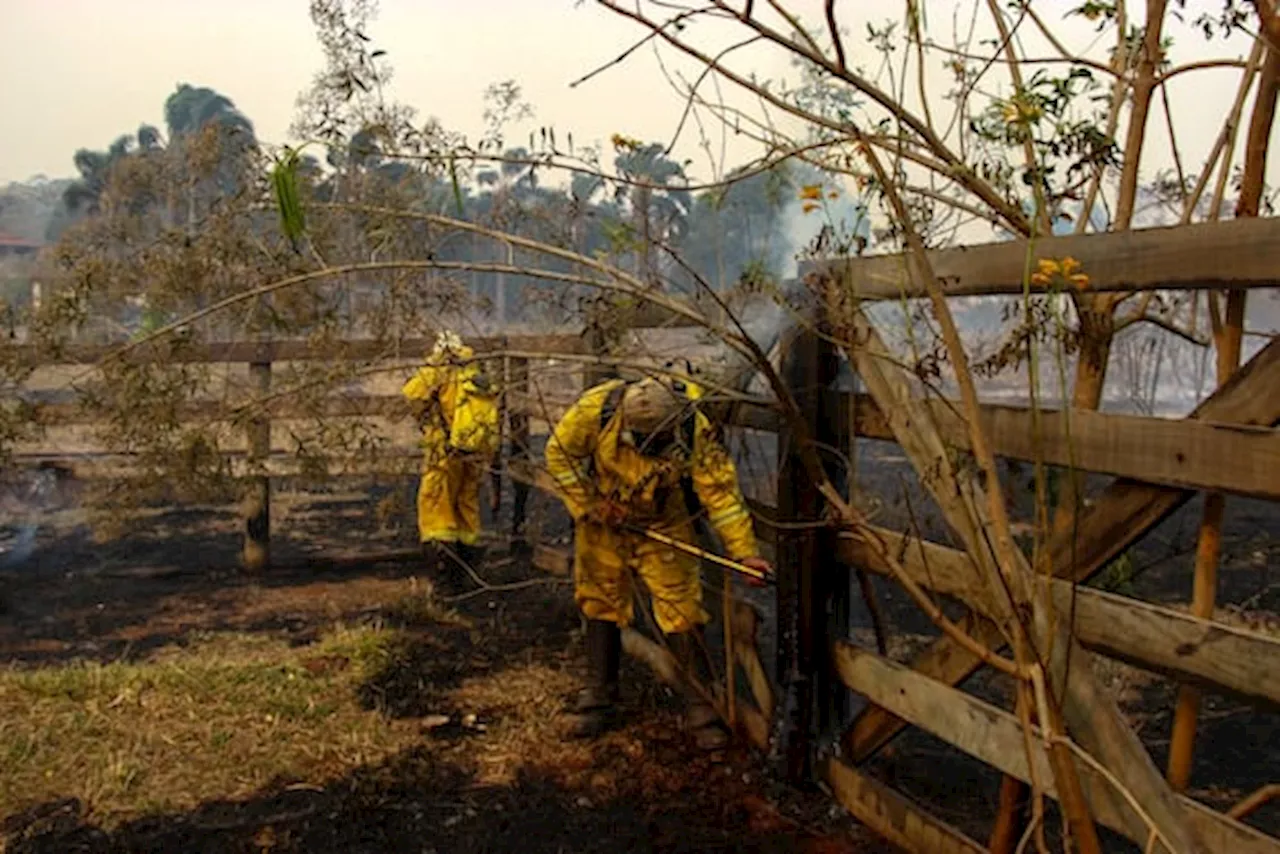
[423, 608]
[219, 717]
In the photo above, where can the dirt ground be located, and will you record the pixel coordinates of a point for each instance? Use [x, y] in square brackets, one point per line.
[332, 703]
[155, 700]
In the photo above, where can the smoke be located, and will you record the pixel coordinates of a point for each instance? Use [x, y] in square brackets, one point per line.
[762, 320]
[767, 320]
[22, 504]
[18, 545]
[846, 216]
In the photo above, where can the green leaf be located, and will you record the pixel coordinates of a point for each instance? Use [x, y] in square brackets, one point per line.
[284, 182]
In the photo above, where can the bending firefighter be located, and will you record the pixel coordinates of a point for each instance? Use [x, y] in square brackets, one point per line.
[458, 414]
[630, 457]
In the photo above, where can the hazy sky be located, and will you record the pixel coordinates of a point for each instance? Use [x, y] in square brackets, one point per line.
[81, 72]
[78, 73]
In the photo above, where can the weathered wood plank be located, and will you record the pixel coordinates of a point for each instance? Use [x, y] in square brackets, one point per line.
[285, 407]
[1089, 714]
[1236, 253]
[99, 466]
[280, 408]
[1163, 640]
[1191, 453]
[1177, 643]
[891, 815]
[1184, 453]
[1187, 453]
[995, 737]
[1119, 516]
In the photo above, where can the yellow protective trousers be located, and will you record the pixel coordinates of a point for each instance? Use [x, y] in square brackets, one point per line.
[459, 438]
[594, 464]
[604, 561]
[449, 500]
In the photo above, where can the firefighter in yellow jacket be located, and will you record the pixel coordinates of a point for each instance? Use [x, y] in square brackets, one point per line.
[630, 456]
[458, 414]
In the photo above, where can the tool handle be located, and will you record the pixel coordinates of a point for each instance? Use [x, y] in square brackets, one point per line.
[702, 553]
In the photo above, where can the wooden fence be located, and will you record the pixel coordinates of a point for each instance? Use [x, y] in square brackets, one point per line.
[1229, 444]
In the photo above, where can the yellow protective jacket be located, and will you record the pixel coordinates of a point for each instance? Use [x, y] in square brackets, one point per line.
[459, 437]
[461, 414]
[590, 462]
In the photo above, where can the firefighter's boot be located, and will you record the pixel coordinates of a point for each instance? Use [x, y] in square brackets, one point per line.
[444, 570]
[595, 710]
[468, 566]
[701, 720]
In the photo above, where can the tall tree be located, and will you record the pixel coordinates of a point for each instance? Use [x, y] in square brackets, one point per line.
[191, 108]
[198, 115]
[655, 191]
[736, 231]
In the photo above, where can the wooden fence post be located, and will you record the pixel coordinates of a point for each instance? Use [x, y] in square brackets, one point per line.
[832, 579]
[257, 500]
[810, 598]
[519, 454]
[502, 381]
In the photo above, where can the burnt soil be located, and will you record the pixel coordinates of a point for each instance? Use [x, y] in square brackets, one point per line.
[172, 579]
[643, 789]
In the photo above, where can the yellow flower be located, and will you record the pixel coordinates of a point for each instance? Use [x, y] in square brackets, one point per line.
[620, 141]
[1048, 267]
[1049, 270]
[1018, 110]
[810, 207]
[811, 191]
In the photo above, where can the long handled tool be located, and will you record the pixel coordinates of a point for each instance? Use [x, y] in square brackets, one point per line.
[690, 549]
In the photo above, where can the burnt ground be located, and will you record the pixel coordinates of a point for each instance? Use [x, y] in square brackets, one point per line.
[171, 582]
[447, 737]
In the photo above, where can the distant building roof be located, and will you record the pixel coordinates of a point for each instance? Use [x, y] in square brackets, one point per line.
[12, 241]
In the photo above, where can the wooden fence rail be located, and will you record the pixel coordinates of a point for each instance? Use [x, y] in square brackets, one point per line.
[995, 737]
[1237, 253]
[1239, 459]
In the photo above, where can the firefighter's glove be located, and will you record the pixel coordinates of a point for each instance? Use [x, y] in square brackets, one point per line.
[608, 513]
[761, 565]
